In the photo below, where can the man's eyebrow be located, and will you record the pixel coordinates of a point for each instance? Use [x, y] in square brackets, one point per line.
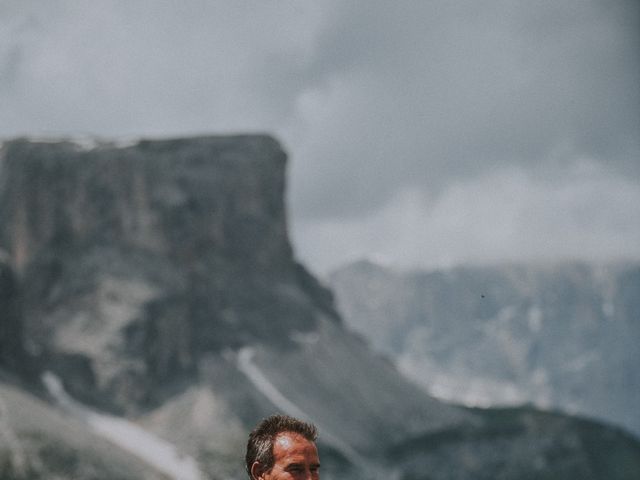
[301, 465]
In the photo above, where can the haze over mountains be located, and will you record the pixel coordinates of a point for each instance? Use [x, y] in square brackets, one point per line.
[561, 336]
[152, 311]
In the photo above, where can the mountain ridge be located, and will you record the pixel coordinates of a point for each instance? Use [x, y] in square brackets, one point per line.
[559, 336]
[159, 284]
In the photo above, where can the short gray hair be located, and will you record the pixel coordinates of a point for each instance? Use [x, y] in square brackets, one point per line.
[262, 438]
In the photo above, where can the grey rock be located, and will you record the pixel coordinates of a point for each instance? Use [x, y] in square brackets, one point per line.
[561, 336]
[137, 261]
[38, 442]
[12, 355]
[159, 283]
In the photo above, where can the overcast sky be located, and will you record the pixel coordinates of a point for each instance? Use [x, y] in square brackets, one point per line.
[420, 133]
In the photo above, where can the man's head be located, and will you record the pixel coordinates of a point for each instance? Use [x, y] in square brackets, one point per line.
[282, 448]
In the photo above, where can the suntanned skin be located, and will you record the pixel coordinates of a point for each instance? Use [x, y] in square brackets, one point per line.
[295, 458]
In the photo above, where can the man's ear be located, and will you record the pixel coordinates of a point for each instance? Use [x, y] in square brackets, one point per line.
[257, 471]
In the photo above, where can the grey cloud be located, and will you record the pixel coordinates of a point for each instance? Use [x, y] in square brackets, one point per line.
[509, 216]
[10, 67]
[373, 99]
[465, 88]
[144, 67]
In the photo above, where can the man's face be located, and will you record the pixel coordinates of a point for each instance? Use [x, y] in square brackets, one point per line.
[295, 458]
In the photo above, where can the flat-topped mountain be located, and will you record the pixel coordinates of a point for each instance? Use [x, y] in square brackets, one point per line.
[157, 283]
[137, 261]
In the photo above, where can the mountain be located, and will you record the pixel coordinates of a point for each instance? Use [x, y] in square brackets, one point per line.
[137, 261]
[163, 309]
[561, 336]
[11, 335]
[38, 441]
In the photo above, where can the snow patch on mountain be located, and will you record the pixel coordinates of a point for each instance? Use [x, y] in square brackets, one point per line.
[18, 457]
[155, 451]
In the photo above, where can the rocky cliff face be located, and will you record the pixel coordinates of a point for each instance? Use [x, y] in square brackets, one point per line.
[11, 335]
[38, 442]
[562, 336]
[137, 261]
[158, 283]
[182, 199]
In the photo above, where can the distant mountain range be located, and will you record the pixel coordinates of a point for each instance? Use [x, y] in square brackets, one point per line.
[151, 312]
[563, 336]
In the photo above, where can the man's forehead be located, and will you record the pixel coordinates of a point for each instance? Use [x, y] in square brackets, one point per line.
[291, 439]
[291, 444]
[294, 449]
